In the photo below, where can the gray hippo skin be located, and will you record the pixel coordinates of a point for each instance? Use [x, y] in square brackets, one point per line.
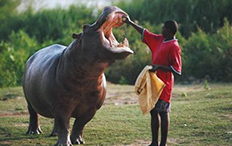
[62, 82]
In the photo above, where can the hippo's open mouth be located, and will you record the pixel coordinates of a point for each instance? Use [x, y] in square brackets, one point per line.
[113, 20]
[112, 17]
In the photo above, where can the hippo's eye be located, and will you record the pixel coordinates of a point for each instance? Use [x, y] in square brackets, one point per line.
[86, 26]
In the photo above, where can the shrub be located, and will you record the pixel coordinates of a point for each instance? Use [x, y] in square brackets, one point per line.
[209, 54]
[13, 56]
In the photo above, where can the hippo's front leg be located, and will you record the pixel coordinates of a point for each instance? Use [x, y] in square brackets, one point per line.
[78, 126]
[63, 130]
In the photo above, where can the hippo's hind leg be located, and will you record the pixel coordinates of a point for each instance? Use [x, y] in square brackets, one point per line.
[78, 127]
[34, 127]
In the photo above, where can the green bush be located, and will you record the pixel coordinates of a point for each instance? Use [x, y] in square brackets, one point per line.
[9, 19]
[205, 36]
[222, 42]
[209, 54]
[13, 56]
[206, 14]
[196, 51]
[56, 24]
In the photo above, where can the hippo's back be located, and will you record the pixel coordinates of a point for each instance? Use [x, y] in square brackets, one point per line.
[43, 62]
[45, 56]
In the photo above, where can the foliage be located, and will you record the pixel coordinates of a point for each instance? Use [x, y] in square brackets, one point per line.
[223, 44]
[9, 20]
[14, 54]
[205, 36]
[29, 31]
[206, 14]
[209, 55]
[57, 23]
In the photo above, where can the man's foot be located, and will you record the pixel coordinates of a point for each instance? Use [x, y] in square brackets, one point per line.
[152, 144]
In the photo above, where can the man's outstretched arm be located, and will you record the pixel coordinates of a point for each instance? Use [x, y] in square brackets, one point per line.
[126, 19]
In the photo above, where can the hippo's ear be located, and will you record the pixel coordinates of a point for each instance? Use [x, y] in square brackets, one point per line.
[76, 36]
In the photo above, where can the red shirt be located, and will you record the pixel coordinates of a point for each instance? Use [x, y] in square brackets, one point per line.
[167, 54]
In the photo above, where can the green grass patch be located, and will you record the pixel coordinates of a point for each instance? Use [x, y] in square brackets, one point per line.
[199, 117]
[10, 93]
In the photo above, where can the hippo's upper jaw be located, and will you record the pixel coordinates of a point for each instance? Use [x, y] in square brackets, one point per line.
[113, 18]
[103, 40]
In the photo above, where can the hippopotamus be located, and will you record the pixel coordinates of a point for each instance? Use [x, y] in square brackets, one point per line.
[64, 82]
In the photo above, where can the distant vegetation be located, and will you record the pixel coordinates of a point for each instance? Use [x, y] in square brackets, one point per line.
[205, 36]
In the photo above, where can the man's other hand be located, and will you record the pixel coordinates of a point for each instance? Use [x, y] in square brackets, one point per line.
[154, 68]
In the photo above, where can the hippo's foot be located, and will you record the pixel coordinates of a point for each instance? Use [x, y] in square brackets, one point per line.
[63, 143]
[53, 134]
[34, 130]
[78, 140]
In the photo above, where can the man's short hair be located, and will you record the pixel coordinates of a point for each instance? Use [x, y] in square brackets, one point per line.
[171, 25]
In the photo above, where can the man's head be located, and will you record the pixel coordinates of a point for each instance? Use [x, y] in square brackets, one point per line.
[170, 28]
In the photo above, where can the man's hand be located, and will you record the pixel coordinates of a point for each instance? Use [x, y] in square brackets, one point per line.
[155, 67]
[164, 68]
[126, 19]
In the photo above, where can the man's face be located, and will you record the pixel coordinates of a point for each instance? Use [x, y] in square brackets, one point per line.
[165, 31]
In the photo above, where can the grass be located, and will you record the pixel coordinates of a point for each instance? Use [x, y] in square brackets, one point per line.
[199, 117]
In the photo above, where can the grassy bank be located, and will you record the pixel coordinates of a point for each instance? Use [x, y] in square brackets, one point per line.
[199, 116]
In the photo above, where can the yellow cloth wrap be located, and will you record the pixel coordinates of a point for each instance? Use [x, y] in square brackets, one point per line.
[148, 88]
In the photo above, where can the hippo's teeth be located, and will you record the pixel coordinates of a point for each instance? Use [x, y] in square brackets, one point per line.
[125, 42]
[120, 45]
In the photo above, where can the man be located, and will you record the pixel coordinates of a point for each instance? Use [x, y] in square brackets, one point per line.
[166, 60]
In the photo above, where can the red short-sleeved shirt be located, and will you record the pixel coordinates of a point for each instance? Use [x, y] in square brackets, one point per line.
[167, 54]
